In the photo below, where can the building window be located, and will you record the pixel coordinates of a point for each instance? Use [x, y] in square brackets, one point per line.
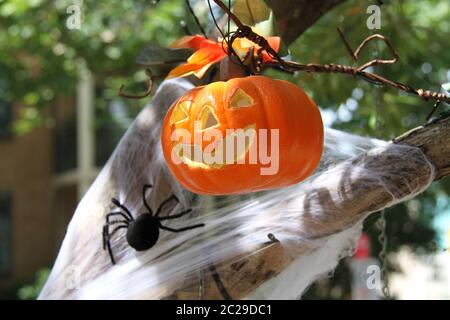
[5, 234]
[65, 150]
[5, 105]
[5, 119]
[112, 122]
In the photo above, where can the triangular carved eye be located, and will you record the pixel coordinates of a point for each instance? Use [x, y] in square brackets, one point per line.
[241, 99]
[181, 112]
[208, 118]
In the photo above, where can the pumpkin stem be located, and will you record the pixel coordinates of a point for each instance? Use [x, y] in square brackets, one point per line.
[230, 68]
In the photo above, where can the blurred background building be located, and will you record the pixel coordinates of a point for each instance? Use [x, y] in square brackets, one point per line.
[44, 174]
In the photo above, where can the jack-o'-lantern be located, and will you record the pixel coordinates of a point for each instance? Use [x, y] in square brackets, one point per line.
[244, 135]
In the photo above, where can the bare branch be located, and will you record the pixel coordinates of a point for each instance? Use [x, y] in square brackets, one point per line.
[296, 16]
[244, 31]
[271, 259]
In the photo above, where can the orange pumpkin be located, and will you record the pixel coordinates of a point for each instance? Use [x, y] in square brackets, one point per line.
[202, 122]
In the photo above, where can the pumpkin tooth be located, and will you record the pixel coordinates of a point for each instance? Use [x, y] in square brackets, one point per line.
[249, 133]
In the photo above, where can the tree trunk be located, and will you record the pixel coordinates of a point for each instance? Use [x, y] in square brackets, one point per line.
[295, 16]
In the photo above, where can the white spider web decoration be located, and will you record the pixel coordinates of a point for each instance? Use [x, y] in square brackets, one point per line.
[316, 222]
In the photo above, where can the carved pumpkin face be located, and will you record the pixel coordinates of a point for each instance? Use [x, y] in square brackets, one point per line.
[208, 119]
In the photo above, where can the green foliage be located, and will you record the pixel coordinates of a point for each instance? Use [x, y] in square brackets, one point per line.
[251, 11]
[154, 55]
[31, 291]
[40, 54]
[417, 30]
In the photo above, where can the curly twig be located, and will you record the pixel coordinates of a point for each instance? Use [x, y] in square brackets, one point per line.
[148, 72]
[355, 54]
[291, 66]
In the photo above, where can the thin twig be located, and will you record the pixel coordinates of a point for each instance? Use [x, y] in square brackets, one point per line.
[355, 54]
[215, 21]
[436, 105]
[365, 75]
[244, 31]
[231, 51]
[291, 66]
[229, 21]
[148, 72]
[222, 289]
[199, 25]
[235, 19]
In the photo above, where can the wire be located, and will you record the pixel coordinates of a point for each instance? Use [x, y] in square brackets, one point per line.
[229, 21]
[215, 22]
[230, 47]
[199, 25]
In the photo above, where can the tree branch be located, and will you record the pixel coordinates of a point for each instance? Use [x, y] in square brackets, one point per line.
[434, 140]
[295, 16]
[356, 202]
[244, 31]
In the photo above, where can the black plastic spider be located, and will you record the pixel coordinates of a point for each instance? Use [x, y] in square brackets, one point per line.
[142, 232]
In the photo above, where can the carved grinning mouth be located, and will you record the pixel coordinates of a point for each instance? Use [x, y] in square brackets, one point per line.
[229, 150]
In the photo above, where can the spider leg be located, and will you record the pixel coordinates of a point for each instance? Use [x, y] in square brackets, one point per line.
[110, 223]
[117, 203]
[174, 216]
[181, 229]
[105, 231]
[108, 239]
[172, 197]
[116, 229]
[104, 235]
[108, 243]
[111, 214]
[146, 186]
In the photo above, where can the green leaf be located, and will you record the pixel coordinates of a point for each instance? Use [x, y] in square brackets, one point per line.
[446, 86]
[373, 120]
[153, 55]
[266, 27]
[251, 11]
